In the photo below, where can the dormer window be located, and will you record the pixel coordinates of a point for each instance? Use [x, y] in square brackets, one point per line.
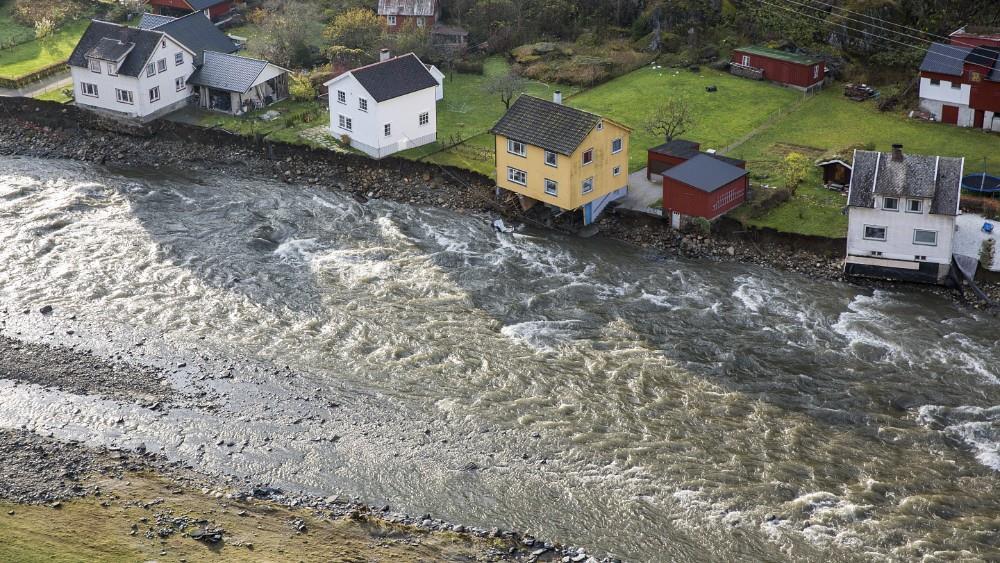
[95, 66]
[914, 206]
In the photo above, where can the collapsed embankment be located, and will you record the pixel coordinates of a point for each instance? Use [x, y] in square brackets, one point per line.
[45, 129]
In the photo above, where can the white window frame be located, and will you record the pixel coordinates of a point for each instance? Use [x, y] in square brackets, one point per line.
[151, 69]
[815, 71]
[387, 129]
[616, 171]
[746, 60]
[600, 125]
[390, 20]
[875, 253]
[551, 188]
[915, 241]
[89, 90]
[621, 145]
[583, 158]
[420, 22]
[424, 118]
[95, 66]
[555, 159]
[161, 66]
[885, 207]
[180, 84]
[345, 122]
[920, 206]
[920, 258]
[124, 96]
[342, 97]
[178, 59]
[587, 186]
[363, 104]
[511, 146]
[112, 69]
[512, 174]
[885, 232]
[154, 94]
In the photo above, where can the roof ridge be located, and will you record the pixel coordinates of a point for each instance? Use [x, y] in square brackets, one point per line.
[369, 65]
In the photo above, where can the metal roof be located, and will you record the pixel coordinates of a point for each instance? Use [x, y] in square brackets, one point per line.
[152, 21]
[945, 59]
[705, 173]
[407, 7]
[199, 34]
[145, 42]
[779, 55]
[231, 73]
[395, 77]
[203, 4]
[110, 50]
[551, 126]
[930, 177]
[679, 148]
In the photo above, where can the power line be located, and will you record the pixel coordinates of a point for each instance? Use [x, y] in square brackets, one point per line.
[881, 20]
[823, 20]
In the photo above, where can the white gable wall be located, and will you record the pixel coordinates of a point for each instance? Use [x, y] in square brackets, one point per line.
[944, 92]
[898, 243]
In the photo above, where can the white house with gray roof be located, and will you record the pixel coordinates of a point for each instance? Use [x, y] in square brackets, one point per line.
[385, 107]
[901, 215]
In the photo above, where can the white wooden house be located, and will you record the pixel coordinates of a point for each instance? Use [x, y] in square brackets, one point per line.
[385, 107]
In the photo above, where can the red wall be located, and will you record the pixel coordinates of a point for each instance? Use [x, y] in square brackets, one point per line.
[686, 200]
[782, 71]
[214, 12]
[976, 40]
[403, 21]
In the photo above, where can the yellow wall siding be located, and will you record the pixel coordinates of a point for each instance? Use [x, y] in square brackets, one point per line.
[571, 172]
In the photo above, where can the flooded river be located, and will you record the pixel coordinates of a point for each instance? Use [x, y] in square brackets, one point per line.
[588, 392]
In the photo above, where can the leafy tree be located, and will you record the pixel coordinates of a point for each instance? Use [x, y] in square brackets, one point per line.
[795, 169]
[671, 120]
[291, 33]
[359, 31]
[301, 88]
[507, 86]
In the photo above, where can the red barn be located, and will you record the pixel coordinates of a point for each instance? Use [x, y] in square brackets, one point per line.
[215, 8]
[663, 157]
[797, 71]
[400, 14]
[703, 187]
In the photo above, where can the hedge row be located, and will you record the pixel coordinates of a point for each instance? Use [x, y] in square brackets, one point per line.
[25, 79]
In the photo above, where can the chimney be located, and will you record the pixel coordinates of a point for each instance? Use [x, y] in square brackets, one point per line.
[897, 153]
[557, 97]
[383, 55]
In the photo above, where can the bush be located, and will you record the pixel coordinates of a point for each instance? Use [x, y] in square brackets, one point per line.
[770, 201]
[795, 169]
[301, 88]
[33, 12]
[702, 225]
[44, 28]
[468, 66]
[986, 252]
[987, 207]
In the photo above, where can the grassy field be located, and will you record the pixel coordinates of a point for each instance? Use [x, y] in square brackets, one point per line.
[295, 118]
[57, 95]
[12, 31]
[34, 55]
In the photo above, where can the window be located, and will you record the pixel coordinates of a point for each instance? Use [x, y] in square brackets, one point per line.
[616, 171]
[161, 65]
[124, 96]
[588, 186]
[920, 258]
[154, 94]
[914, 206]
[387, 129]
[150, 69]
[956, 85]
[88, 89]
[588, 156]
[876, 253]
[425, 117]
[551, 159]
[163, 43]
[342, 96]
[391, 20]
[746, 60]
[178, 59]
[874, 233]
[514, 147]
[616, 146]
[935, 82]
[179, 84]
[816, 71]
[362, 104]
[517, 176]
[112, 69]
[420, 22]
[726, 199]
[926, 238]
[344, 122]
[95, 66]
[890, 203]
[600, 126]
[551, 187]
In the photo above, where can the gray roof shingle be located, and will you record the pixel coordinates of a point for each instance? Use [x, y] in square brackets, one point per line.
[144, 41]
[231, 73]
[152, 21]
[705, 173]
[945, 59]
[395, 77]
[551, 126]
[203, 4]
[199, 34]
[110, 50]
[931, 177]
[407, 7]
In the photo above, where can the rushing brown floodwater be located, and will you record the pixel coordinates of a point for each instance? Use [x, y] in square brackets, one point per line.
[586, 391]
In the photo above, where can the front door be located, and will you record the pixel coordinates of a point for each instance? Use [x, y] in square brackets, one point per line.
[978, 120]
[949, 114]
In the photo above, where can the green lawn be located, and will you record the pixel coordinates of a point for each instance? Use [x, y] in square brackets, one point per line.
[57, 95]
[12, 31]
[295, 118]
[34, 55]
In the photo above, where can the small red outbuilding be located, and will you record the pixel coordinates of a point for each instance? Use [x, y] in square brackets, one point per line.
[215, 8]
[791, 69]
[704, 186]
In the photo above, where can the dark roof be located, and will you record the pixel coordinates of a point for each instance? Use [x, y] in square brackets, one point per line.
[779, 55]
[705, 173]
[152, 21]
[545, 124]
[199, 34]
[407, 7]
[203, 4]
[395, 77]
[227, 72]
[110, 50]
[995, 75]
[145, 42]
[678, 148]
[945, 59]
[931, 177]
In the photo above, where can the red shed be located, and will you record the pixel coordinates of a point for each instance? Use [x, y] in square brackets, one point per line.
[790, 69]
[703, 187]
[661, 158]
[215, 8]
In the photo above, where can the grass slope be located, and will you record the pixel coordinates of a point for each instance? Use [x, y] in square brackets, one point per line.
[10, 29]
[295, 118]
[34, 55]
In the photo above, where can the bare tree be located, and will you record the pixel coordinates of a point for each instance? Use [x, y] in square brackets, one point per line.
[671, 120]
[507, 86]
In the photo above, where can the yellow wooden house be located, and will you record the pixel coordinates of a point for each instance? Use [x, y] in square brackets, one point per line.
[561, 156]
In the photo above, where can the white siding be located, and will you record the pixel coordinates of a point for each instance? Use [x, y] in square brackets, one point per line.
[898, 244]
[945, 93]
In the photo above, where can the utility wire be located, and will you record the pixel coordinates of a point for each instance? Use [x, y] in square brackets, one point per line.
[883, 20]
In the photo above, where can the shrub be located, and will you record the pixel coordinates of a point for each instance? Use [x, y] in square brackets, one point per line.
[301, 88]
[468, 66]
[702, 225]
[986, 252]
[44, 27]
[772, 200]
[795, 169]
[32, 12]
